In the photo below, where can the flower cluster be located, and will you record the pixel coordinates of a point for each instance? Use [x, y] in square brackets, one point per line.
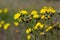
[47, 12]
[4, 25]
[34, 19]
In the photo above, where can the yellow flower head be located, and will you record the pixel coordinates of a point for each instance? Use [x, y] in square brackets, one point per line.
[16, 24]
[23, 12]
[39, 25]
[5, 10]
[2, 22]
[43, 11]
[16, 16]
[48, 29]
[28, 30]
[6, 26]
[43, 17]
[50, 9]
[1, 11]
[28, 37]
[36, 16]
[34, 12]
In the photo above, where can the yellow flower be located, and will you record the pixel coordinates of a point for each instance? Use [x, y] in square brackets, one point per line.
[16, 16]
[2, 22]
[6, 26]
[23, 12]
[39, 25]
[16, 24]
[5, 10]
[0, 25]
[28, 37]
[28, 30]
[1, 11]
[42, 11]
[34, 12]
[48, 29]
[43, 17]
[41, 33]
[53, 11]
[36, 16]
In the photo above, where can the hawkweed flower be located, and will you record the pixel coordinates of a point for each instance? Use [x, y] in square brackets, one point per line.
[23, 12]
[34, 12]
[48, 28]
[36, 16]
[38, 25]
[50, 9]
[1, 11]
[43, 17]
[28, 30]
[16, 16]
[6, 26]
[5, 10]
[2, 22]
[44, 10]
[28, 37]
[16, 24]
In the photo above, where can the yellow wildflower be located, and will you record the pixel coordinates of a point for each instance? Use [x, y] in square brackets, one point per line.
[36, 16]
[28, 30]
[6, 26]
[5, 10]
[39, 25]
[48, 29]
[53, 11]
[42, 11]
[23, 12]
[34, 12]
[0, 11]
[16, 16]
[16, 24]
[28, 37]
[43, 17]
[2, 22]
